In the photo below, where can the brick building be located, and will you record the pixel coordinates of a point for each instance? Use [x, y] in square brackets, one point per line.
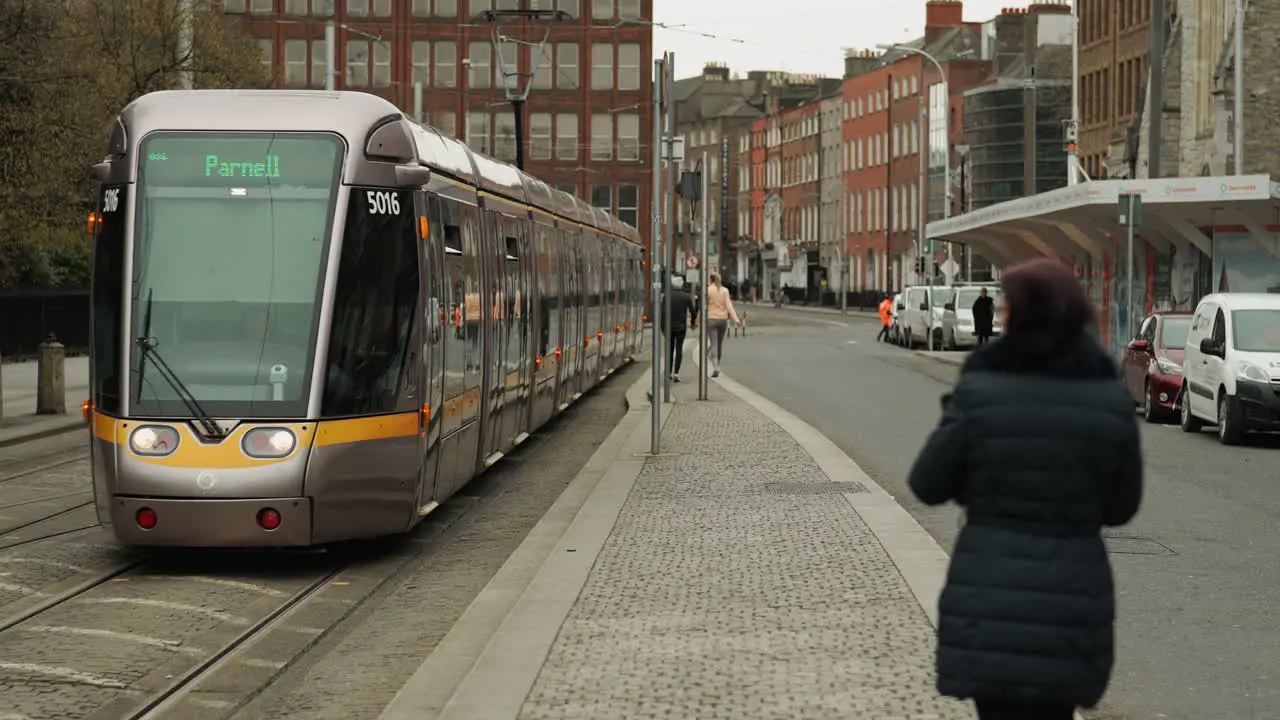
[1114, 54]
[588, 113]
[886, 130]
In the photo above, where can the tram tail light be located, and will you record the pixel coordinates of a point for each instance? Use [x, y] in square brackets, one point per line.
[424, 415]
[559, 354]
[600, 335]
[586, 341]
[146, 518]
[423, 228]
[617, 328]
[95, 223]
[86, 410]
[537, 362]
[268, 519]
[626, 325]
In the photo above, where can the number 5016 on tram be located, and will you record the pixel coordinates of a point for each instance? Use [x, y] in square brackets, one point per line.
[315, 319]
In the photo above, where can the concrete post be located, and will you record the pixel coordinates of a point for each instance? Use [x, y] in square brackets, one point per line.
[51, 382]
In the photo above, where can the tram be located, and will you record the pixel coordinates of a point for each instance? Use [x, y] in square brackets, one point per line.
[315, 319]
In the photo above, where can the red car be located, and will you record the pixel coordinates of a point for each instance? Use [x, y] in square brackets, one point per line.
[1152, 366]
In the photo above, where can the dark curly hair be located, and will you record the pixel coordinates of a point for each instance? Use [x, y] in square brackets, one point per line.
[1044, 297]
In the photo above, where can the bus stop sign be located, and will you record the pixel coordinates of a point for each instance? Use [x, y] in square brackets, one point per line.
[1130, 210]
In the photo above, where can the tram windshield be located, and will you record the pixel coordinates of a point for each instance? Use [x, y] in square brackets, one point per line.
[230, 245]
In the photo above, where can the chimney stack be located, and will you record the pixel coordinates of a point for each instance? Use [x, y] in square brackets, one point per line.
[1011, 34]
[858, 62]
[940, 16]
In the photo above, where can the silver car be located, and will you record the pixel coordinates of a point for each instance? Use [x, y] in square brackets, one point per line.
[957, 319]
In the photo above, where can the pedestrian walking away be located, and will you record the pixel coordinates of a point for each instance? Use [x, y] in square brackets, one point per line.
[983, 316]
[684, 315]
[886, 318]
[1039, 443]
[719, 312]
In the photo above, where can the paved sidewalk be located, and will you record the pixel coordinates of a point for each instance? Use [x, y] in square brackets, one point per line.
[948, 357]
[750, 570]
[19, 422]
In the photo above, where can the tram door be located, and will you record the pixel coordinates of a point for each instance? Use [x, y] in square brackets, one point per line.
[493, 259]
[434, 323]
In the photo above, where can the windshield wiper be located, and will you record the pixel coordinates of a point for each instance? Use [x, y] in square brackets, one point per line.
[148, 346]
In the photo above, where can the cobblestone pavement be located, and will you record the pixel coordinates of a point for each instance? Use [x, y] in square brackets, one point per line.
[739, 583]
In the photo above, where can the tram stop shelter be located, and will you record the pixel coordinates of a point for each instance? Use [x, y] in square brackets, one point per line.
[1196, 236]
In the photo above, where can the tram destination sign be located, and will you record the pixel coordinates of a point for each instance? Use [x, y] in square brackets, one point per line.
[240, 159]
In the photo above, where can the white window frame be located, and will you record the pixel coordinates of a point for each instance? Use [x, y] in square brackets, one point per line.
[628, 72]
[444, 74]
[421, 62]
[381, 73]
[623, 209]
[295, 62]
[480, 65]
[568, 74]
[601, 136]
[319, 65]
[540, 136]
[357, 8]
[479, 131]
[628, 134]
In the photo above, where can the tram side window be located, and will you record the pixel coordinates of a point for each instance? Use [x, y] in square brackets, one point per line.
[374, 304]
[108, 291]
[454, 293]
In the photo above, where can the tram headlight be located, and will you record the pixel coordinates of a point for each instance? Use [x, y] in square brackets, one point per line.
[268, 442]
[153, 440]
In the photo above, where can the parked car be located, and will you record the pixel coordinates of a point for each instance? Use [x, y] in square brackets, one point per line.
[1232, 367]
[1152, 364]
[922, 315]
[957, 317]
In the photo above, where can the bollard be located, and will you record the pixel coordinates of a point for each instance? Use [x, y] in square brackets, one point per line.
[51, 378]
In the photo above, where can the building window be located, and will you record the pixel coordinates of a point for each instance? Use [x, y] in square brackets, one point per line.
[479, 6]
[446, 122]
[628, 136]
[382, 63]
[504, 136]
[446, 8]
[478, 131]
[540, 136]
[357, 63]
[357, 8]
[268, 55]
[602, 10]
[480, 74]
[233, 7]
[296, 8]
[420, 8]
[382, 8]
[446, 70]
[628, 9]
[422, 61]
[262, 7]
[545, 64]
[567, 188]
[602, 197]
[507, 69]
[319, 65]
[566, 136]
[601, 136]
[601, 66]
[322, 8]
[567, 66]
[629, 66]
[295, 62]
[628, 203]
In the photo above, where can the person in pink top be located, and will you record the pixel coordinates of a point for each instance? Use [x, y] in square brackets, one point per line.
[718, 314]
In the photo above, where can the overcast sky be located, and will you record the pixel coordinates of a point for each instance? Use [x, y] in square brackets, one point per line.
[802, 36]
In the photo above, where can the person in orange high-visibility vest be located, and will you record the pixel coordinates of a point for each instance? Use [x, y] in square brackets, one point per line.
[886, 318]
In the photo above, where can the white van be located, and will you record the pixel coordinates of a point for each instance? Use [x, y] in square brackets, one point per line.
[922, 317]
[957, 317]
[1231, 375]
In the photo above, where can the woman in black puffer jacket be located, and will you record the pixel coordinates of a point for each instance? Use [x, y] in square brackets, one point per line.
[1039, 443]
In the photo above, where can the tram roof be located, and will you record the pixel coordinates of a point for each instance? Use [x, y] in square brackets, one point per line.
[1084, 219]
[352, 115]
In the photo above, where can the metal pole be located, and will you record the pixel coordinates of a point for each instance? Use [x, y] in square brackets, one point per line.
[417, 101]
[517, 109]
[1128, 275]
[922, 188]
[330, 54]
[703, 381]
[668, 191]
[655, 262]
[1239, 98]
[1073, 156]
[1155, 93]
[184, 50]
[888, 195]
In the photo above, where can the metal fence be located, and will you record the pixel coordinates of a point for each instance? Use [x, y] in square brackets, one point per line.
[27, 317]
